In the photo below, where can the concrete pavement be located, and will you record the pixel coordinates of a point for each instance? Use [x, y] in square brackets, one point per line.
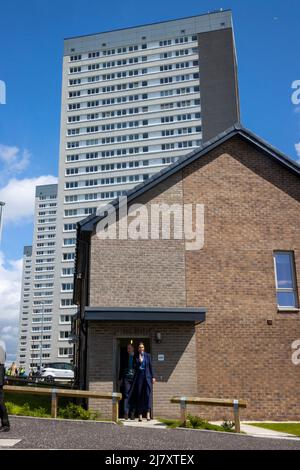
[6, 443]
[256, 431]
[263, 432]
[153, 424]
[247, 428]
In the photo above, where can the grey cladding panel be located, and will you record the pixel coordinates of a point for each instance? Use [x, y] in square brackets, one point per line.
[152, 32]
[46, 190]
[27, 250]
[218, 82]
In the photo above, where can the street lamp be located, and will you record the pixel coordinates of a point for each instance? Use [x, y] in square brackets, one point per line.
[2, 204]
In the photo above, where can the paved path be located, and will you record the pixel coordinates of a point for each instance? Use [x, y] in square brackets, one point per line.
[154, 423]
[245, 427]
[264, 432]
[39, 433]
[6, 443]
[257, 431]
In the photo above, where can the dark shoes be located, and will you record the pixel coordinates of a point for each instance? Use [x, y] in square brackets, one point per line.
[131, 416]
[4, 428]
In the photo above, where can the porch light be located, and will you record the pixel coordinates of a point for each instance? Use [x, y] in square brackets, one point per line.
[158, 337]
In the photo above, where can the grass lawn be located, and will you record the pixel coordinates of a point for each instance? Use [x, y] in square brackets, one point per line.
[290, 428]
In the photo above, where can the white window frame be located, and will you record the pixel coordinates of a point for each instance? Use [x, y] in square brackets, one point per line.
[292, 289]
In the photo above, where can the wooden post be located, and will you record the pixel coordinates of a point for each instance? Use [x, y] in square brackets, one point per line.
[183, 412]
[236, 410]
[115, 407]
[54, 403]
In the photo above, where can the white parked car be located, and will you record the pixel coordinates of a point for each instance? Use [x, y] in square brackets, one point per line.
[57, 371]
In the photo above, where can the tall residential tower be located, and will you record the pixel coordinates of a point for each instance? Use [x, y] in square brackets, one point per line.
[36, 333]
[133, 101]
[23, 355]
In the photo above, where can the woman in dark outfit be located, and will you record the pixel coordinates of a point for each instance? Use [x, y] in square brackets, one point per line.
[141, 392]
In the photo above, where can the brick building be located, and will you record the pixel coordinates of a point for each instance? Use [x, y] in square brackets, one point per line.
[219, 321]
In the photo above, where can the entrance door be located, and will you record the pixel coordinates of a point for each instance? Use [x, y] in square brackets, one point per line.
[121, 359]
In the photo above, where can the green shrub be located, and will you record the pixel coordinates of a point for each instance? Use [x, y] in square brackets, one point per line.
[170, 423]
[34, 401]
[72, 411]
[228, 426]
[196, 422]
[25, 410]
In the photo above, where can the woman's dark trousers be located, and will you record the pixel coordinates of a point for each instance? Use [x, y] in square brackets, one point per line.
[142, 395]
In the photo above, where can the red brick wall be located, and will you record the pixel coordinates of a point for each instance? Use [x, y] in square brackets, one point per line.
[251, 209]
[143, 272]
[177, 374]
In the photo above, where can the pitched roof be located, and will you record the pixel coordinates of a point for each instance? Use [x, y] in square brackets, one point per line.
[88, 223]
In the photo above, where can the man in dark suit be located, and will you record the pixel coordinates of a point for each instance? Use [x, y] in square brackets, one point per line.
[126, 377]
[3, 411]
[141, 391]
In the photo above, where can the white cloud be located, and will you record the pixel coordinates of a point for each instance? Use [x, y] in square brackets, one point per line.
[13, 160]
[7, 154]
[297, 148]
[10, 287]
[18, 196]
[10, 291]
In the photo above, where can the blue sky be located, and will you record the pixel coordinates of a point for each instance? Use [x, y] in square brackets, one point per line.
[31, 38]
[32, 32]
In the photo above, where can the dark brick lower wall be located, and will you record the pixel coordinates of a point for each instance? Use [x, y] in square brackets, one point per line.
[176, 375]
[248, 360]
